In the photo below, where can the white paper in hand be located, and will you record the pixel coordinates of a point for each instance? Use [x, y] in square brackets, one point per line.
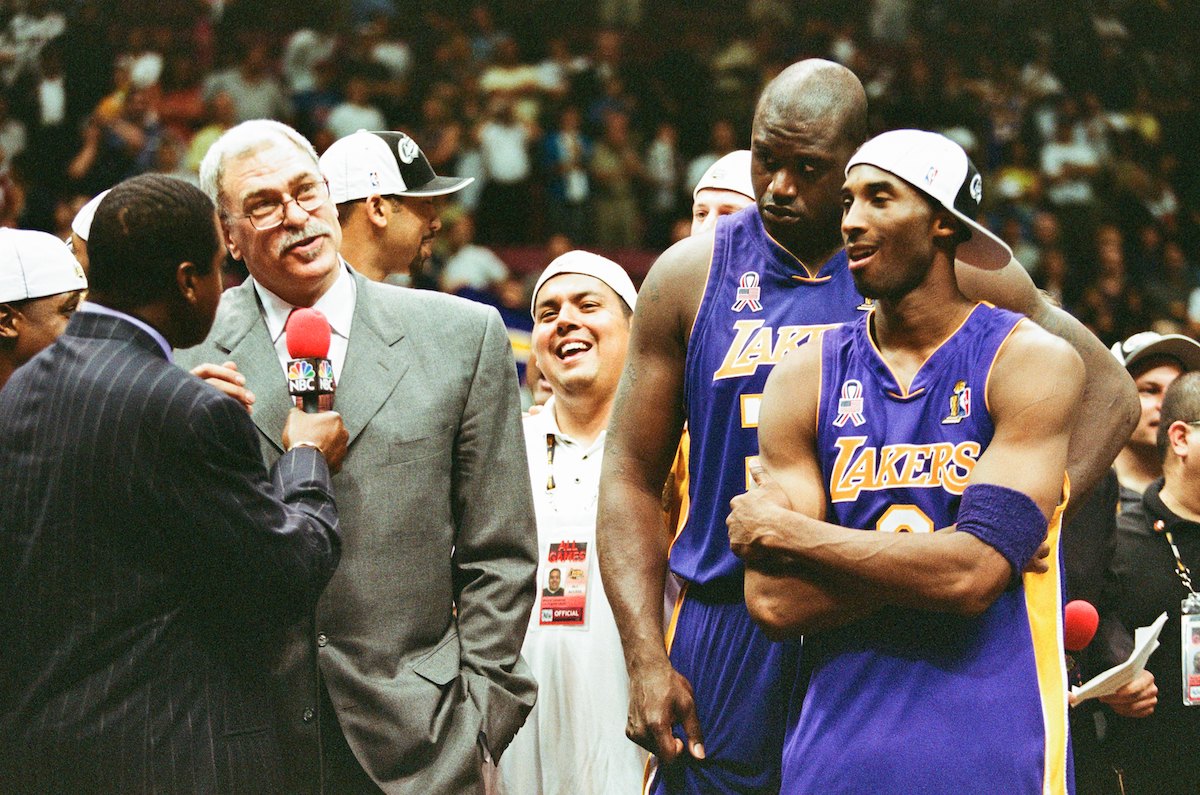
[1145, 641]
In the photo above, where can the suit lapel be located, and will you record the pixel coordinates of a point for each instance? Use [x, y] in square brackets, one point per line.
[245, 340]
[375, 360]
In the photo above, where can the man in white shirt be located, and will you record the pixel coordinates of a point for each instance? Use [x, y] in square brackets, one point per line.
[574, 741]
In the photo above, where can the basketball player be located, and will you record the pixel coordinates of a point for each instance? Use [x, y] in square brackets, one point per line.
[716, 312]
[931, 411]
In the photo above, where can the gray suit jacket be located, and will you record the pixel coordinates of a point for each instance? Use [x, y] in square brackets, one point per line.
[419, 632]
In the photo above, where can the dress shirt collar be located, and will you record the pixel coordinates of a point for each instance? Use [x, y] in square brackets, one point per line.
[337, 305]
[88, 306]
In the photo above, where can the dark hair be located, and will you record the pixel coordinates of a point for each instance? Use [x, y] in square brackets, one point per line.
[1180, 404]
[143, 229]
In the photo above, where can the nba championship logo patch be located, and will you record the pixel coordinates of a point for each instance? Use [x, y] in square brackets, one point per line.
[748, 293]
[960, 404]
[867, 305]
[850, 405]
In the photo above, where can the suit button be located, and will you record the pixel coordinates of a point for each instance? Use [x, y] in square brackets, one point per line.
[308, 714]
[322, 640]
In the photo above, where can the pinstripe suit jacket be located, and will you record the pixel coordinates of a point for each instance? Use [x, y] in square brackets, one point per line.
[146, 555]
[418, 635]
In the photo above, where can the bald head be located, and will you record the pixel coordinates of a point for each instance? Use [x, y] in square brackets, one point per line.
[819, 92]
[809, 120]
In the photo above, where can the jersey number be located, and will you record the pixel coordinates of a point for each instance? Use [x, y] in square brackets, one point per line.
[904, 519]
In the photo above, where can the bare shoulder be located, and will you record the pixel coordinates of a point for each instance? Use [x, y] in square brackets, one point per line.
[674, 286]
[1035, 366]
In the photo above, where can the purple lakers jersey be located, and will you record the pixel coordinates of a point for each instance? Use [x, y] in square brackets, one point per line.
[757, 306]
[911, 700]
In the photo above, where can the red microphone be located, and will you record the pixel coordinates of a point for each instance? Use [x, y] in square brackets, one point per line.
[1080, 620]
[309, 373]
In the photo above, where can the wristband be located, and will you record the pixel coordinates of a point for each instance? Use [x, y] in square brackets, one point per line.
[306, 443]
[1005, 519]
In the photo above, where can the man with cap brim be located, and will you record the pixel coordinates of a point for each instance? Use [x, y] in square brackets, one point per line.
[725, 188]
[1153, 361]
[387, 195]
[41, 286]
[931, 411]
[574, 740]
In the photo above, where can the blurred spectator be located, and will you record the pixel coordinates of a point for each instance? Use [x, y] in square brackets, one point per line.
[181, 106]
[469, 264]
[304, 51]
[722, 141]
[510, 79]
[566, 158]
[616, 171]
[1169, 289]
[355, 112]
[313, 105]
[663, 171]
[120, 146]
[256, 92]
[12, 135]
[221, 115]
[504, 203]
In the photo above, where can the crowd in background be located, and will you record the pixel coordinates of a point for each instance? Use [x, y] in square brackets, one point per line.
[587, 123]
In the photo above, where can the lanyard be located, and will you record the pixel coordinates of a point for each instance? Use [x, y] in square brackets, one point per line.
[1185, 574]
[551, 443]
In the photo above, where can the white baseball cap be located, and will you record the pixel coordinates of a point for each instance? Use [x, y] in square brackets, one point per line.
[588, 264]
[939, 168]
[385, 163]
[82, 224]
[36, 265]
[731, 172]
[1146, 344]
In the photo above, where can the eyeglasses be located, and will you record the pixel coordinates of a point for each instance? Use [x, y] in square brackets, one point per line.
[268, 214]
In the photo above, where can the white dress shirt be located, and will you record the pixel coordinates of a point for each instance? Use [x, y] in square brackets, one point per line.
[337, 305]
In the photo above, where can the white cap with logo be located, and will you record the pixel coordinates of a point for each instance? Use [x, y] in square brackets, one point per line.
[382, 163]
[731, 172]
[939, 168]
[588, 264]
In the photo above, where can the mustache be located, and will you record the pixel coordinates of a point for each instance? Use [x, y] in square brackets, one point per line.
[314, 228]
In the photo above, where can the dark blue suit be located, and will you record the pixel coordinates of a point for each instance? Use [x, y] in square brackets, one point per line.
[147, 559]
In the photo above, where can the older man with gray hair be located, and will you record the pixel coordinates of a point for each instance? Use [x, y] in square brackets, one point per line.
[408, 677]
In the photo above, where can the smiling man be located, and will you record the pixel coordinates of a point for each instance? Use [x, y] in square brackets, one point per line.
[572, 743]
[408, 675]
[41, 286]
[931, 411]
